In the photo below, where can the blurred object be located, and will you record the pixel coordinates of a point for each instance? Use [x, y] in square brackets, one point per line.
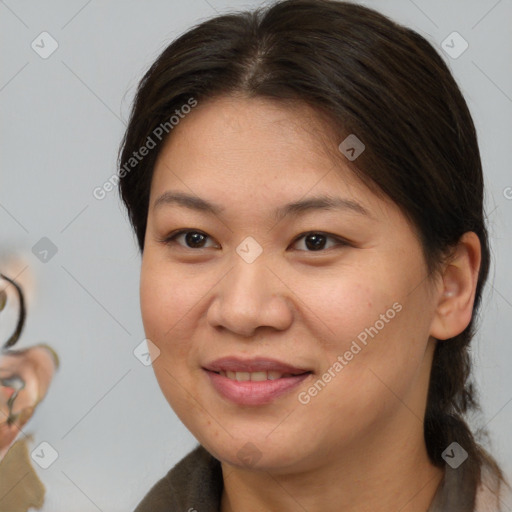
[22, 313]
[25, 375]
[15, 265]
[20, 487]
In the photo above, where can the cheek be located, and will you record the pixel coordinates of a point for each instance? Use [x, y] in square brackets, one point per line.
[164, 297]
[381, 362]
[167, 307]
[355, 302]
[173, 306]
[377, 327]
[151, 303]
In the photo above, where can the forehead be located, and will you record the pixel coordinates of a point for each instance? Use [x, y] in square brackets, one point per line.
[257, 149]
[239, 125]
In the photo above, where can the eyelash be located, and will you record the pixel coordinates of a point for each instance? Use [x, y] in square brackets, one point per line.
[171, 239]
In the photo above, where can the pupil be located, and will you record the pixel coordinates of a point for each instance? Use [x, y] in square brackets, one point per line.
[317, 241]
[194, 239]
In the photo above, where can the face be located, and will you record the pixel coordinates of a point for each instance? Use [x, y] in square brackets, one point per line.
[326, 308]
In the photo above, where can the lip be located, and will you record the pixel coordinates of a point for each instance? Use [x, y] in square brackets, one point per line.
[253, 392]
[235, 364]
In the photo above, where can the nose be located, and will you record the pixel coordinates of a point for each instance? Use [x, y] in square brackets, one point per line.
[249, 297]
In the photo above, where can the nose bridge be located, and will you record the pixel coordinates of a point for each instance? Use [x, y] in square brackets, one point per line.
[248, 281]
[248, 297]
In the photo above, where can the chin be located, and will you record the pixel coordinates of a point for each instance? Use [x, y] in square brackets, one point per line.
[253, 452]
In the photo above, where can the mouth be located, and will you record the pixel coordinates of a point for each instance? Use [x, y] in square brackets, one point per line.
[256, 365]
[257, 376]
[255, 381]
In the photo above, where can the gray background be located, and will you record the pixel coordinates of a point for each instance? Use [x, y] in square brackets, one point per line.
[61, 122]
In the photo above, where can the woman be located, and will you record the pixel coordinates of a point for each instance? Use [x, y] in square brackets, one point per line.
[306, 189]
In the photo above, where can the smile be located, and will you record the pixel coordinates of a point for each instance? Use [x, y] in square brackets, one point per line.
[254, 376]
[254, 388]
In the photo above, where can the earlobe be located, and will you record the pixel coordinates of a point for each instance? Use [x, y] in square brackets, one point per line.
[457, 293]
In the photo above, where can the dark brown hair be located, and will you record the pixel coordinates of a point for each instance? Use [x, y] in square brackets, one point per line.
[369, 76]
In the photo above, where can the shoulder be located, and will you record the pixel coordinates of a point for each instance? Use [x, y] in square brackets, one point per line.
[195, 482]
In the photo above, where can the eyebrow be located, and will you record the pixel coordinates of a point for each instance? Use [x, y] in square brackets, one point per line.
[296, 208]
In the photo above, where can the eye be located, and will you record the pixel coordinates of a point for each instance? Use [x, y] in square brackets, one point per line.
[315, 241]
[193, 239]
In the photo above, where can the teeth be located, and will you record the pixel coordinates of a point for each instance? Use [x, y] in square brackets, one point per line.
[254, 376]
[259, 376]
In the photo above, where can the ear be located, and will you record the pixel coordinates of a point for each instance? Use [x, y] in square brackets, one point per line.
[457, 292]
